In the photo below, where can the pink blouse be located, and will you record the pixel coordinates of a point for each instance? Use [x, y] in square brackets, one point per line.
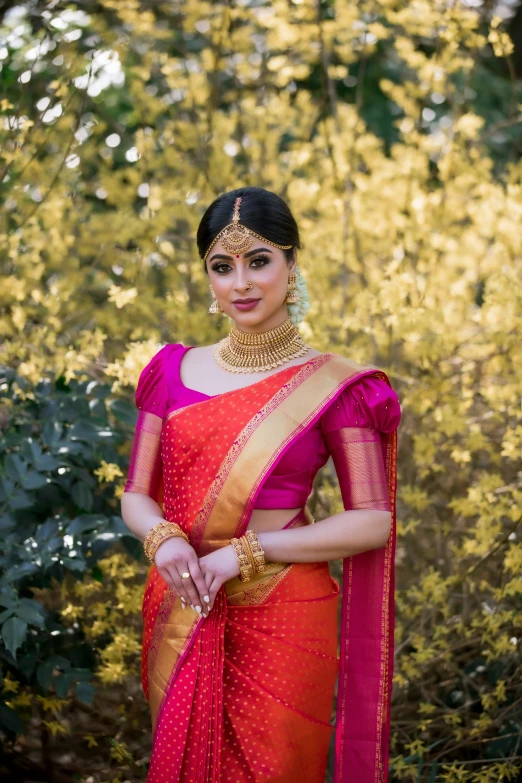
[348, 430]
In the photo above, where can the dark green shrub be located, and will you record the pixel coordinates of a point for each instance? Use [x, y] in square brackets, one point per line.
[56, 523]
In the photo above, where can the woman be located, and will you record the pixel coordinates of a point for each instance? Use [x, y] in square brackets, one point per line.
[240, 659]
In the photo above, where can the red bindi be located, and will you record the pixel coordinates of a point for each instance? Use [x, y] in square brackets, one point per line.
[237, 256]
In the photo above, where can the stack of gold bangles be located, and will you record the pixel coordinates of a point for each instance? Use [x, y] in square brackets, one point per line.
[250, 555]
[158, 534]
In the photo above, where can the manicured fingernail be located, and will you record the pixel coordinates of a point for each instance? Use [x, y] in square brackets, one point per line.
[192, 607]
[206, 598]
[198, 609]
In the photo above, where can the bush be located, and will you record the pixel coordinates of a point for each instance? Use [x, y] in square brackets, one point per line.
[58, 526]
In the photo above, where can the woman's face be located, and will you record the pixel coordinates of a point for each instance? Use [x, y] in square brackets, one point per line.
[267, 269]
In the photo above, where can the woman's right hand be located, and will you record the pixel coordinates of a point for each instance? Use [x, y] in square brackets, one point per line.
[173, 557]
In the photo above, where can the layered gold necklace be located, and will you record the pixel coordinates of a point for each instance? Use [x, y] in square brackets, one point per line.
[251, 352]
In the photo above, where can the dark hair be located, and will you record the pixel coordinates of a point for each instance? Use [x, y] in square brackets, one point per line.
[261, 210]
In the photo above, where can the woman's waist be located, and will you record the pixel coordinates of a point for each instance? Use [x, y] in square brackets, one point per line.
[260, 520]
[268, 520]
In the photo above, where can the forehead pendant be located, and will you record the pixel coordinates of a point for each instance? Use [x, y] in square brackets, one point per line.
[236, 238]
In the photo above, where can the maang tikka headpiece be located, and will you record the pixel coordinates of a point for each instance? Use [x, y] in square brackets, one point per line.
[237, 238]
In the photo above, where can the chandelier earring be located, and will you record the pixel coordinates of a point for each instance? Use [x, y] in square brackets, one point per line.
[215, 307]
[292, 294]
[298, 308]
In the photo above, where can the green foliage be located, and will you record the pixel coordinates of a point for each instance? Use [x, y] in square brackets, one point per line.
[57, 525]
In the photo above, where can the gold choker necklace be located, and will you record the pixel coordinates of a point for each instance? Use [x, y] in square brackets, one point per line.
[250, 352]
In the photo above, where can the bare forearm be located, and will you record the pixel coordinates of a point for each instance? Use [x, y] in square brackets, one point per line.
[339, 536]
[140, 513]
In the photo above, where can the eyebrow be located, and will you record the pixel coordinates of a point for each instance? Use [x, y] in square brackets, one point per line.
[247, 255]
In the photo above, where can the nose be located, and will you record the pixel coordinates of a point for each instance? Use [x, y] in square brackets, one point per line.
[241, 284]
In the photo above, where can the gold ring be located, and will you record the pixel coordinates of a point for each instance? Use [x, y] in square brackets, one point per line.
[185, 575]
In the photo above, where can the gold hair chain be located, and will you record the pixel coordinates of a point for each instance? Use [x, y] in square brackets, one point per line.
[237, 238]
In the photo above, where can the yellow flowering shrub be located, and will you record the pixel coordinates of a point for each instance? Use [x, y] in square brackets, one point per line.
[389, 128]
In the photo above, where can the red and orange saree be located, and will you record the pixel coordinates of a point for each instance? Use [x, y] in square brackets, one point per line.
[246, 694]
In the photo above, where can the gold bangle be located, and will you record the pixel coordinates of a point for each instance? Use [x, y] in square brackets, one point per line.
[245, 569]
[246, 546]
[256, 549]
[158, 534]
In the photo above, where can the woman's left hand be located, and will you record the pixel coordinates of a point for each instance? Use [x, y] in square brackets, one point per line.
[217, 567]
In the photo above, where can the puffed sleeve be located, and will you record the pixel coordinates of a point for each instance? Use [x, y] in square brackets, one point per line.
[145, 469]
[352, 427]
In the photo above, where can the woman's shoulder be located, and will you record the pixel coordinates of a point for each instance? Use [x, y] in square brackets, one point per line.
[156, 363]
[368, 401]
[152, 391]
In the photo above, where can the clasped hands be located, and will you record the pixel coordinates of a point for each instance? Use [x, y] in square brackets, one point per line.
[175, 556]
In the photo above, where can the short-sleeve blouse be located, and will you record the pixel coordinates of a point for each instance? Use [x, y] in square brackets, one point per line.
[368, 404]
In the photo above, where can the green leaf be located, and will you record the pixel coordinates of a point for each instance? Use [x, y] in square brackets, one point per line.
[6, 483]
[34, 480]
[22, 569]
[51, 434]
[118, 527]
[70, 447]
[31, 450]
[6, 614]
[27, 663]
[98, 410]
[32, 612]
[85, 692]
[8, 597]
[106, 538]
[13, 633]
[82, 675]
[82, 495]
[44, 675]
[133, 546]
[62, 684]
[99, 390]
[73, 564]
[20, 500]
[86, 522]
[83, 430]
[11, 720]
[123, 411]
[15, 467]
[46, 462]
[46, 530]
[59, 662]
[7, 522]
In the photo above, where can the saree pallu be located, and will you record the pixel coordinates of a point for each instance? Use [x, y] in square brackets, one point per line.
[246, 694]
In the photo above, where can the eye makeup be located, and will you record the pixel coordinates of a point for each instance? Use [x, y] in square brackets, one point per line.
[265, 259]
